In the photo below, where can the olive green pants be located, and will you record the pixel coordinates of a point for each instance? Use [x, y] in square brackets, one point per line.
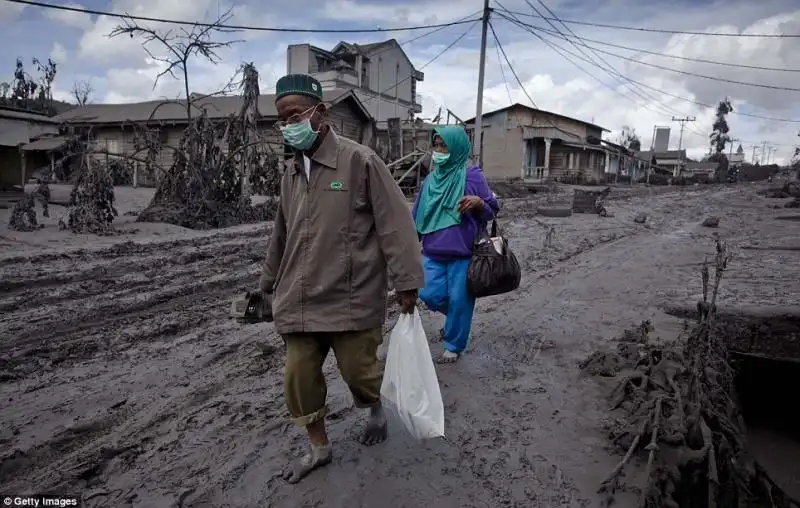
[304, 382]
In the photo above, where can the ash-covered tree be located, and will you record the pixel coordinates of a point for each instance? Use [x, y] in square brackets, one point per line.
[26, 91]
[208, 184]
[91, 203]
[629, 139]
[47, 71]
[719, 138]
[795, 162]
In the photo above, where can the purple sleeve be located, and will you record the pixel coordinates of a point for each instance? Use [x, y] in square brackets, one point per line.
[482, 190]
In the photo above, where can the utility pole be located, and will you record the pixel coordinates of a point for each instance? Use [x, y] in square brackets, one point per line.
[477, 145]
[650, 158]
[682, 121]
[763, 152]
[753, 158]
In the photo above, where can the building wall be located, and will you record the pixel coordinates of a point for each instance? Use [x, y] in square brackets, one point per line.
[298, 59]
[573, 162]
[346, 122]
[118, 140]
[521, 117]
[382, 108]
[387, 68]
[503, 148]
[387, 91]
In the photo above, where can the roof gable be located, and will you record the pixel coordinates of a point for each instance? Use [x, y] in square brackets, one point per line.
[518, 105]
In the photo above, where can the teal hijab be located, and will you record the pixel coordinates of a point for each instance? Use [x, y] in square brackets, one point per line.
[437, 208]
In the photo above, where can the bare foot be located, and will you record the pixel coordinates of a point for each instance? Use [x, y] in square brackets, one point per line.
[376, 430]
[448, 357]
[318, 456]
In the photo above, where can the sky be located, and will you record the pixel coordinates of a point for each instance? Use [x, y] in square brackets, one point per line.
[591, 86]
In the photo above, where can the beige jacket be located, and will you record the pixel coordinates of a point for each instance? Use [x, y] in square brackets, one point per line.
[334, 238]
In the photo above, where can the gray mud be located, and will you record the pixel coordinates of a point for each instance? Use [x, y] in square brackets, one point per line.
[121, 376]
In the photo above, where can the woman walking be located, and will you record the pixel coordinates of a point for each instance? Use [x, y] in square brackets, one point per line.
[452, 207]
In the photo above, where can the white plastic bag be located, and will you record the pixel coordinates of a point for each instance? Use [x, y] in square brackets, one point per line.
[410, 386]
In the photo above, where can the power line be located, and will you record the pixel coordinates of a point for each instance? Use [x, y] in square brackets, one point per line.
[232, 27]
[560, 51]
[584, 40]
[687, 73]
[644, 85]
[659, 30]
[438, 55]
[519, 81]
[503, 73]
[611, 70]
[468, 18]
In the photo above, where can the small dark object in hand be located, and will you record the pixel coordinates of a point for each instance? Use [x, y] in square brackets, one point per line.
[252, 307]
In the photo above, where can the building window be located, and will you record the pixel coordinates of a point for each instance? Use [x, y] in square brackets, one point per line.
[112, 146]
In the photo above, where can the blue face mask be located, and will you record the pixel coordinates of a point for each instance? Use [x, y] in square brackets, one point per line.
[300, 135]
[439, 158]
[297, 132]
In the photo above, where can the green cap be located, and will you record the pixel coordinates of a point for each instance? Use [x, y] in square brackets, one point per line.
[298, 84]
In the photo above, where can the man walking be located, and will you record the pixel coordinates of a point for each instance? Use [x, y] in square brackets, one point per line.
[341, 225]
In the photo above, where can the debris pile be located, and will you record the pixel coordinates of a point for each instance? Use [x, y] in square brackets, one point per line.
[216, 167]
[677, 400]
[584, 201]
[23, 216]
[91, 202]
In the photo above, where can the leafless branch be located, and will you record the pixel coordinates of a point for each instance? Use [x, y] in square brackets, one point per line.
[82, 92]
[180, 47]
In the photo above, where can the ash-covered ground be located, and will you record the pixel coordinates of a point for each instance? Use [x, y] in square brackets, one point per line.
[122, 377]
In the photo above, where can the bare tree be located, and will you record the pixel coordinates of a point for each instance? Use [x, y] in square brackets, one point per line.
[629, 139]
[181, 46]
[48, 75]
[82, 92]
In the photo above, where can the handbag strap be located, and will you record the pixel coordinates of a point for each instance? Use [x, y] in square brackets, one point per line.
[494, 228]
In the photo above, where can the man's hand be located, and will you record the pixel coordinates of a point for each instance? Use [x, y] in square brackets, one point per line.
[407, 300]
[470, 204]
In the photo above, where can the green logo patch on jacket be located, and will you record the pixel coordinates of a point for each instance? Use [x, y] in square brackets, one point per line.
[337, 185]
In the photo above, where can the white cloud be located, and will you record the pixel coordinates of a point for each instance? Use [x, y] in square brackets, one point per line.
[70, 18]
[123, 71]
[58, 53]
[10, 12]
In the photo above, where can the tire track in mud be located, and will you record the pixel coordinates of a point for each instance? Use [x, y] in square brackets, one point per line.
[132, 306]
[131, 291]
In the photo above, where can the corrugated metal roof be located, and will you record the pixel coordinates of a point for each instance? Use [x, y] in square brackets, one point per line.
[47, 144]
[25, 115]
[175, 111]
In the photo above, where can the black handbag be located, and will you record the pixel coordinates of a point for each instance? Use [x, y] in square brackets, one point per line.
[494, 269]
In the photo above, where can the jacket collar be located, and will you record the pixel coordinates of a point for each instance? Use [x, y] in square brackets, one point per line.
[327, 153]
